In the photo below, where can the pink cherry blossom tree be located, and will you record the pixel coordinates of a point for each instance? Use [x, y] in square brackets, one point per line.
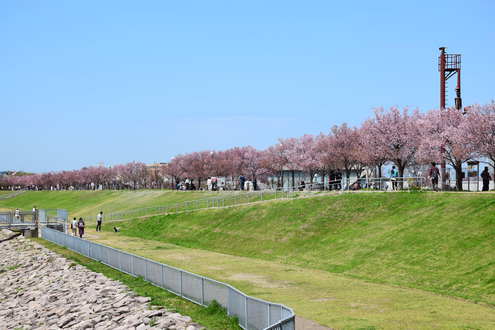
[344, 144]
[396, 136]
[303, 154]
[481, 128]
[372, 148]
[445, 135]
[277, 159]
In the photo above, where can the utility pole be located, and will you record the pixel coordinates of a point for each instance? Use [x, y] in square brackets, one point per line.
[448, 65]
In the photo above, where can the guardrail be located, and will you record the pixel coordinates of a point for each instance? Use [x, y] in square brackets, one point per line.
[383, 183]
[389, 184]
[53, 218]
[221, 201]
[11, 195]
[253, 313]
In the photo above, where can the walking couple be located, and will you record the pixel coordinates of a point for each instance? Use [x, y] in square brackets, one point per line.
[78, 226]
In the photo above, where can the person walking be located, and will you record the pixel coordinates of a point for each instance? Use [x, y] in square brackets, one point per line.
[99, 220]
[73, 226]
[485, 176]
[394, 174]
[433, 175]
[80, 226]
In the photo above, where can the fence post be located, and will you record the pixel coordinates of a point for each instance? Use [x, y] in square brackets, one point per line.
[246, 311]
[202, 291]
[269, 316]
[181, 284]
[132, 265]
[163, 276]
[146, 270]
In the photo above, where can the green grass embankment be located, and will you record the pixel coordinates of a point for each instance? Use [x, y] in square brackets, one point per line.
[443, 243]
[89, 203]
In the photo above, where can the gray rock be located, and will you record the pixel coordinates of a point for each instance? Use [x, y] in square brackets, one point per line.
[66, 320]
[64, 296]
[143, 300]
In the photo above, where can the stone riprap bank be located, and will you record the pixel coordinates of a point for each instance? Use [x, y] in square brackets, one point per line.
[41, 290]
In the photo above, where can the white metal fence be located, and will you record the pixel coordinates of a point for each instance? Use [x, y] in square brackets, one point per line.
[11, 195]
[53, 218]
[252, 313]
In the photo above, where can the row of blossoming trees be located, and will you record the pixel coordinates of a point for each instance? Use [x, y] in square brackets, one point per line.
[132, 175]
[405, 138]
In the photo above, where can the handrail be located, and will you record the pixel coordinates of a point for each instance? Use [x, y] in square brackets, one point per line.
[168, 277]
[11, 195]
[258, 195]
[203, 203]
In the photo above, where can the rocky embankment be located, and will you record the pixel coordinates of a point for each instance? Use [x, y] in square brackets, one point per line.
[41, 290]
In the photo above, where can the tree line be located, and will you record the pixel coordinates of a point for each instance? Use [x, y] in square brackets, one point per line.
[399, 136]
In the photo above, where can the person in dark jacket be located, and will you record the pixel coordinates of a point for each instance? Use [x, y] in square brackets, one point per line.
[434, 174]
[485, 175]
[80, 226]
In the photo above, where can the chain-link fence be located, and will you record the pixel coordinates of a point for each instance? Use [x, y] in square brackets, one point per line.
[252, 313]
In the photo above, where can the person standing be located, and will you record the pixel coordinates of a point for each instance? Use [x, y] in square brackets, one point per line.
[99, 220]
[35, 214]
[434, 174]
[80, 226]
[73, 226]
[17, 214]
[394, 174]
[485, 176]
[242, 180]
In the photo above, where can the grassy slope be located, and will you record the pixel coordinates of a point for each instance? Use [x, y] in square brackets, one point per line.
[334, 300]
[437, 242]
[89, 203]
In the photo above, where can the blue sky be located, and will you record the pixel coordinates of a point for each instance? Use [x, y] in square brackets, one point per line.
[115, 81]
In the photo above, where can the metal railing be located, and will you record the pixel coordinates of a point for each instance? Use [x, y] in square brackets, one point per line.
[221, 201]
[53, 218]
[11, 195]
[383, 183]
[388, 184]
[253, 313]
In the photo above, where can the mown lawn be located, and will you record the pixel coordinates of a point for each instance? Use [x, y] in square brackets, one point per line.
[440, 242]
[334, 300]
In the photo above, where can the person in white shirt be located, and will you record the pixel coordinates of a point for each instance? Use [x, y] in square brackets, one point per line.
[17, 214]
[73, 226]
[99, 220]
[35, 215]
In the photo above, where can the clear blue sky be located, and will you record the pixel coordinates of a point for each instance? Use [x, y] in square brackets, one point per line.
[83, 82]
